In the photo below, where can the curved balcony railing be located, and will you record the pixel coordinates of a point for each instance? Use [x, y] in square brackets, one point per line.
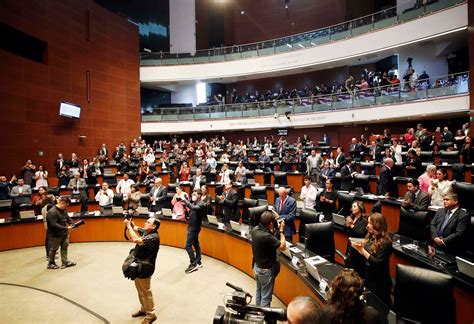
[383, 95]
[355, 27]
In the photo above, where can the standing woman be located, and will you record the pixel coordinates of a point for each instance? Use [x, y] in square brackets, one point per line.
[467, 151]
[327, 200]
[184, 172]
[377, 249]
[439, 187]
[41, 177]
[356, 225]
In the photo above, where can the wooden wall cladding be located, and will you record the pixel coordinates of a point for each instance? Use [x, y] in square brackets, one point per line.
[81, 37]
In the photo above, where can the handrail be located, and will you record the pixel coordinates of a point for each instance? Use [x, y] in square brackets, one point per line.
[393, 93]
[303, 40]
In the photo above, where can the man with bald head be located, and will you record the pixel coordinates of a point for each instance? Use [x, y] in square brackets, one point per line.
[303, 310]
[285, 207]
[386, 185]
[158, 195]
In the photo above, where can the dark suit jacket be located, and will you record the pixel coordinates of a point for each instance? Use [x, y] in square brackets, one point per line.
[288, 213]
[386, 183]
[160, 197]
[346, 178]
[202, 182]
[421, 202]
[326, 172]
[455, 233]
[377, 275]
[230, 206]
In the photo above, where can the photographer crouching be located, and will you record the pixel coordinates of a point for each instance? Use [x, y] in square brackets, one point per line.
[264, 247]
[140, 264]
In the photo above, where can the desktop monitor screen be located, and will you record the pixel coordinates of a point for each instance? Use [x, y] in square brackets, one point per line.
[69, 110]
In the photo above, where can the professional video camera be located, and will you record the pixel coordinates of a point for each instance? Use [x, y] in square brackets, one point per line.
[239, 311]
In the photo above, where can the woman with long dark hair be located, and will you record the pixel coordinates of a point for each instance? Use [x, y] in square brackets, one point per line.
[376, 249]
[345, 304]
[356, 224]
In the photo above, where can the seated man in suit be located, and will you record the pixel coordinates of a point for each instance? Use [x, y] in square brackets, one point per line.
[198, 180]
[158, 195]
[230, 203]
[415, 199]
[285, 206]
[78, 188]
[449, 227]
[386, 185]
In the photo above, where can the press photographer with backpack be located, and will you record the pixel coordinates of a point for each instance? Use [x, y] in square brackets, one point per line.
[140, 264]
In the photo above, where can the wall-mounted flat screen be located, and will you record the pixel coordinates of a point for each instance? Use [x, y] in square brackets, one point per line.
[69, 110]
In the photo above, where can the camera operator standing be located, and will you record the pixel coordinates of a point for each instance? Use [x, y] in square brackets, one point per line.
[59, 223]
[147, 245]
[264, 248]
[197, 210]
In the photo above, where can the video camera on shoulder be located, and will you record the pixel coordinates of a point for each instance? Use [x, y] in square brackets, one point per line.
[238, 310]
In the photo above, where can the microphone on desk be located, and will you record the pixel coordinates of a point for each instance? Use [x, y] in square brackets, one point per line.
[228, 284]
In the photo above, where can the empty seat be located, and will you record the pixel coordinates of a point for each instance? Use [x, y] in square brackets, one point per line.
[437, 304]
[246, 204]
[426, 156]
[111, 179]
[118, 199]
[258, 192]
[362, 181]
[367, 168]
[145, 200]
[306, 217]
[53, 191]
[414, 225]
[255, 213]
[458, 170]
[465, 193]
[449, 157]
[320, 239]
[344, 203]
[280, 178]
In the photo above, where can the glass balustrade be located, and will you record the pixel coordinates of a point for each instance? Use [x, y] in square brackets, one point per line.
[455, 84]
[356, 27]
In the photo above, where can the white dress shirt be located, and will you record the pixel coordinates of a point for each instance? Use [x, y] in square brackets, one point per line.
[309, 196]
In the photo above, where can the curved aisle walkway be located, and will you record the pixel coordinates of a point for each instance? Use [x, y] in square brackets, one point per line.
[95, 291]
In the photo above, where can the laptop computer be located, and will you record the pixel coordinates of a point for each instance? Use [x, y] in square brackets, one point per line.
[311, 265]
[251, 181]
[27, 214]
[117, 210]
[213, 220]
[142, 211]
[339, 219]
[7, 203]
[235, 226]
[167, 212]
[465, 267]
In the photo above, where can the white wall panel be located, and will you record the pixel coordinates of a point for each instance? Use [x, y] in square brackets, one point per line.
[405, 33]
[416, 110]
[182, 26]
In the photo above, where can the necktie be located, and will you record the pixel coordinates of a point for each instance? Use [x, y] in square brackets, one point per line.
[445, 223]
[281, 204]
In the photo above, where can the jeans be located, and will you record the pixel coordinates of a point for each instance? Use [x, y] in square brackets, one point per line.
[55, 243]
[265, 282]
[192, 240]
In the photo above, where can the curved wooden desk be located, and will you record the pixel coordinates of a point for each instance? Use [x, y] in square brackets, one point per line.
[215, 243]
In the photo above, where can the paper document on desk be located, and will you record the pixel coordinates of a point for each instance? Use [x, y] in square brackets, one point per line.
[295, 249]
[410, 246]
[316, 260]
